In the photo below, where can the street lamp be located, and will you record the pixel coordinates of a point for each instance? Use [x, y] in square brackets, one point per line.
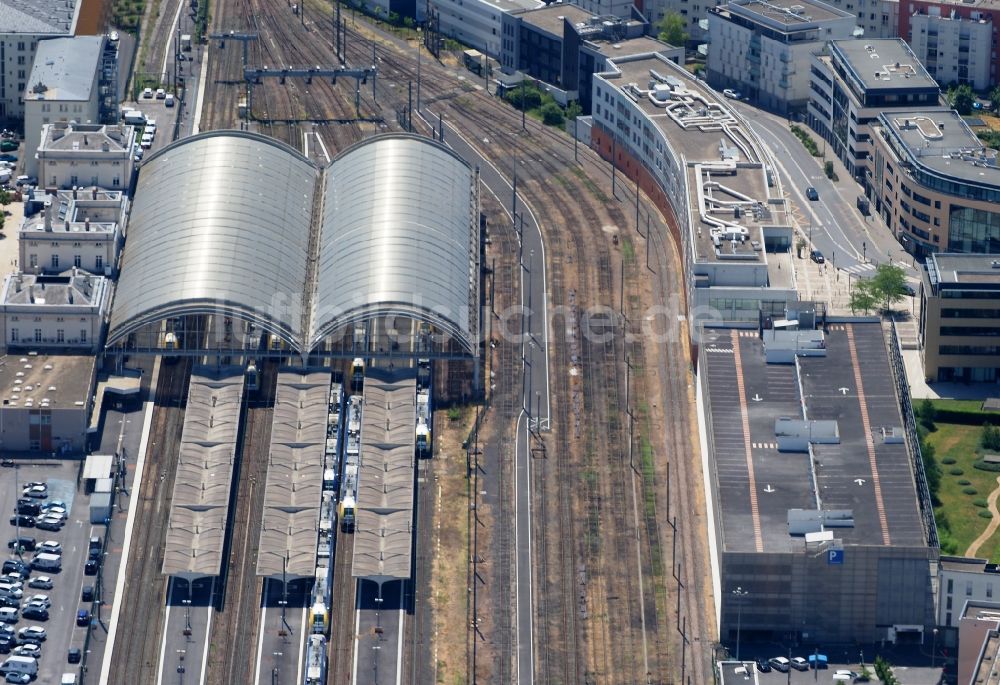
[739, 593]
[934, 647]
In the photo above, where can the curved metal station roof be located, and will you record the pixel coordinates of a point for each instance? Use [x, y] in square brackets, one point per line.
[228, 223]
[220, 224]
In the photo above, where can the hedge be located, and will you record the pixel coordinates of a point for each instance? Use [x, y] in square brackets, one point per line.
[986, 465]
[970, 491]
[985, 514]
[966, 418]
[980, 502]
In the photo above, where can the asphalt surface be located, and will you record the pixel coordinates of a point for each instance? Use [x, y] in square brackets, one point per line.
[535, 414]
[846, 237]
[379, 636]
[186, 631]
[281, 643]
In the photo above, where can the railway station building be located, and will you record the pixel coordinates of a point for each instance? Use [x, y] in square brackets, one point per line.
[828, 539]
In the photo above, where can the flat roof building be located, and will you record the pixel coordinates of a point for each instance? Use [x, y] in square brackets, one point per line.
[46, 403]
[478, 23]
[959, 318]
[979, 643]
[954, 39]
[832, 536]
[63, 86]
[934, 182]
[77, 154]
[852, 82]
[761, 47]
[704, 166]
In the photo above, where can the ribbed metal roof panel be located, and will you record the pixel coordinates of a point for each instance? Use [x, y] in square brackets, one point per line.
[220, 222]
[395, 238]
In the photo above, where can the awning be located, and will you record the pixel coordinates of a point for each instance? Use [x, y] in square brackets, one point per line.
[98, 466]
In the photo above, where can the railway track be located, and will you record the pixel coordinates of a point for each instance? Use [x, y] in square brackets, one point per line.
[341, 645]
[237, 602]
[137, 647]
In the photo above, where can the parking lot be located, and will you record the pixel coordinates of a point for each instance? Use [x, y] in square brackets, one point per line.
[733, 673]
[164, 116]
[67, 582]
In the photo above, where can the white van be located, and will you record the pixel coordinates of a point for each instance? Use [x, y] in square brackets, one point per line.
[20, 664]
[46, 562]
[169, 100]
[134, 117]
[68, 679]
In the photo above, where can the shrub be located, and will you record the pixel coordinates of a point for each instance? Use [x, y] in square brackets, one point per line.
[985, 514]
[964, 481]
[980, 502]
[454, 413]
[955, 471]
[948, 460]
[970, 491]
[552, 114]
[990, 438]
[986, 465]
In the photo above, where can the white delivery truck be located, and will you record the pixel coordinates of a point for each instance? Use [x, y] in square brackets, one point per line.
[20, 664]
[134, 117]
[46, 562]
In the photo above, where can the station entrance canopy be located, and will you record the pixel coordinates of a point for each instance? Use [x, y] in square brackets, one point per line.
[243, 229]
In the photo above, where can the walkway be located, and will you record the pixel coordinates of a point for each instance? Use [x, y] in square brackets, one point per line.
[990, 529]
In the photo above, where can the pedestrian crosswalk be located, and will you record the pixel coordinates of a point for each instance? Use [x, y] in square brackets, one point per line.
[765, 445]
[858, 269]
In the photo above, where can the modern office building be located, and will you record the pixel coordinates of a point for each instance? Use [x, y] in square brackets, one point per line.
[979, 643]
[563, 46]
[478, 23]
[956, 41]
[763, 48]
[23, 24]
[823, 526]
[934, 182]
[962, 580]
[64, 86]
[707, 172]
[960, 318]
[852, 82]
[75, 154]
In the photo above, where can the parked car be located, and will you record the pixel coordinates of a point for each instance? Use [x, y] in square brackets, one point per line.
[83, 618]
[799, 664]
[35, 613]
[18, 567]
[779, 663]
[24, 542]
[908, 290]
[26, 181]
[55, 503]
[34, 632]
[90, 568]
[87, 594]
[28, 506]
[42, 600]
[763, 666]
[50, 547]
[9, 601]
[31, 650]
[147, 93]
[8, 146]
[7, 643]
[17, 677]
[37, 492]
[817, 256]
[9, 615]
[732, 94]
[812, 194]
[74, 655]
[40, 583]
[7, 157]
[50, 523]
[22, 521]
[160, 93]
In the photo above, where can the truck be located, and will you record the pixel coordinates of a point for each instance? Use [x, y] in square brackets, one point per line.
[20, 664]
[134, 117]
[186, 42]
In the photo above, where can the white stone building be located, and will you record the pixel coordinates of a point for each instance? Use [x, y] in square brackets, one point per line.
[63, 86]
[953, 48]
[478, 23]
[67, 311]
[763, 48]
[23, 23]
[85, 155]
[81, 229]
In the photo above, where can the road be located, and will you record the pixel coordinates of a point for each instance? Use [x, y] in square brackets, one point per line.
[838, 229]
[535, 413]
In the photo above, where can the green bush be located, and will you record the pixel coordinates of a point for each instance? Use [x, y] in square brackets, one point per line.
[552, 114]
[985, 514]
[970, 491]
[964, 481]
[527, 97]
[807, 141]
[955, 471]
[948, 460]
[980, 502]
[990, 438]
[986, 465]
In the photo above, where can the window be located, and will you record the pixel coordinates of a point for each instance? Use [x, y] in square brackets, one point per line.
[55, 261]
[13, 335]
[20, 60]
[948, 604]
[33, 260]
[76, 261]
[38, 335]
[83, 335]
[99, 263]
[60, 336]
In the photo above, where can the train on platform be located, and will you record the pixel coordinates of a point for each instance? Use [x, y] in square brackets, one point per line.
[352, 463]
[316, 661]
[425, 411]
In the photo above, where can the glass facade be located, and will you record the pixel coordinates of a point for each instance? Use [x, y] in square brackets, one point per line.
[973, 230]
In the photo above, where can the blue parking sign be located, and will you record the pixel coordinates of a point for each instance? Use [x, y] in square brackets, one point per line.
[835, 556]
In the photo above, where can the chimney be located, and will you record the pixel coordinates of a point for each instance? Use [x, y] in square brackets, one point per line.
[74, 192]
[105, 147]
[86, 141]
[48, 215]
[93, 193]
[66, 225]
[86, 224]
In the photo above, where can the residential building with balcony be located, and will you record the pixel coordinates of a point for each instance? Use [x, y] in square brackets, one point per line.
[960, 318]
[956, 41]
[852, 82]
[934, 183]
[763, 48]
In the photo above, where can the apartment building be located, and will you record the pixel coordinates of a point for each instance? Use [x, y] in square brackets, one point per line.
[956, 41]
[960, 319]
[763, 48]
[852, 82]
[478, 23]
[71, 154]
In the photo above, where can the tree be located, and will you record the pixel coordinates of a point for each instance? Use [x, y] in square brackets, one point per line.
[532, 97]
[552, 114]
[863, 298]
[672, 29]
[889, 284]
[800, 244]
[995, 99]
[573, 109]
[962, 98]
[927, 414]
[990, 438]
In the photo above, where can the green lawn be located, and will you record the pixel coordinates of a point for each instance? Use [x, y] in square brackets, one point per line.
[962, 405]
[958, 519]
